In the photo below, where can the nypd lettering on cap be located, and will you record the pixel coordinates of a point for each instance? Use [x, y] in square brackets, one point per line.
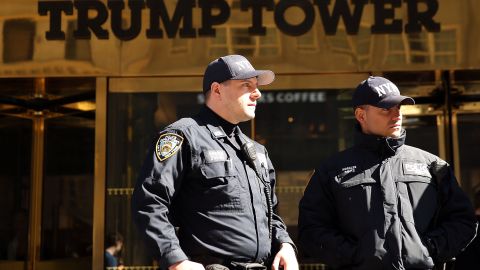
[167, 145]
[386, 89]
[243, 65]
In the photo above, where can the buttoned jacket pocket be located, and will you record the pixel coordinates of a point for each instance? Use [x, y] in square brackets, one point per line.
[355, 195]
[220, 186]
[416, 208]
[418, 199]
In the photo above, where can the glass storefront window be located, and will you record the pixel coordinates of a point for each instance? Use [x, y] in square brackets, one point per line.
[422, 132]
[468, 130]
[300, 129]
[68, 188]
[15, 142]
[47, 139]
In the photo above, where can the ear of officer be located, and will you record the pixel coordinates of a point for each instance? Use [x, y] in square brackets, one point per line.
[378, 92]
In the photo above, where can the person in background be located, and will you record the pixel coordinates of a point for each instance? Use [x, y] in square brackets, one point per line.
[114, 245]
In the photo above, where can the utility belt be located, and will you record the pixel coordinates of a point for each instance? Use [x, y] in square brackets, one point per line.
[236, 266]
[246, 266]
[213, 263]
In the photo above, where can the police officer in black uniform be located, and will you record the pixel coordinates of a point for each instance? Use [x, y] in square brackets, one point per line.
[382, 204]
[205, 194]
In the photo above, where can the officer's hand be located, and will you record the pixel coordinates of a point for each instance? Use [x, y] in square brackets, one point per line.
[285, 258]
[186, 265]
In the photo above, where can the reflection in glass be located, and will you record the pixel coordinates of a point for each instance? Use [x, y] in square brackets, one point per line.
[68, 188]
[15, 142]
[59, 155]
[76, 49]
[269, 45]
[308, 42]
[422, 132]
[468, 130]
[242, 42]
[300, 129]
[18, 38]
[418, 45]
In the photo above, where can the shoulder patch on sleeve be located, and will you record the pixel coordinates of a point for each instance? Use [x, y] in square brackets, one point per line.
[167, 145]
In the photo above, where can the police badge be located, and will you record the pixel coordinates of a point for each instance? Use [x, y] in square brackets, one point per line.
[167, 145]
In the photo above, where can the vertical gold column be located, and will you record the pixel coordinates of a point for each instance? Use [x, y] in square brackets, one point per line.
[100, 173]
[455, 138]
[456, 148]
[448, 113]
[442, 152]
[36, 181]
[36, 193]
[441, 129]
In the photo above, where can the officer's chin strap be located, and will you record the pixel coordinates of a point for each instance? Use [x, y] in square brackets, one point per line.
[248, 150]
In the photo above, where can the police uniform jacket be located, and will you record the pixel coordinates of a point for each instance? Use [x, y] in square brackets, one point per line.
[384, 205]
[196, 180]
[470, 257]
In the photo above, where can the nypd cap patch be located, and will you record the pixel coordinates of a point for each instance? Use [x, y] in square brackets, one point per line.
[167, 145]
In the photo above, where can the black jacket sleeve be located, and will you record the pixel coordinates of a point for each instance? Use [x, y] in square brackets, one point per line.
[455, 225]
[318, 233]
[151, 204]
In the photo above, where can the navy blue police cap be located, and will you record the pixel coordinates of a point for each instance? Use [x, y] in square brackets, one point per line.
[233, 67]
[379, 92]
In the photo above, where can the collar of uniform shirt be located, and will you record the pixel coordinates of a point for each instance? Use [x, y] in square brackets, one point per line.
[378, 143]
[227, 127]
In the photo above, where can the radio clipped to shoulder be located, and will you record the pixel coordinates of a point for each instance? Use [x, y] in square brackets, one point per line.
[248, 150]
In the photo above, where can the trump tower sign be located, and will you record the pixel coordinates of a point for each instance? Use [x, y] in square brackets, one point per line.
[92, 16]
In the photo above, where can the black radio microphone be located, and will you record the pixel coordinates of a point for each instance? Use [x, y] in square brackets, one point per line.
[248, 149]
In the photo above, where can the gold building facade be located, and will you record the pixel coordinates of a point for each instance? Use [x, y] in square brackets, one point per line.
[77, 114]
